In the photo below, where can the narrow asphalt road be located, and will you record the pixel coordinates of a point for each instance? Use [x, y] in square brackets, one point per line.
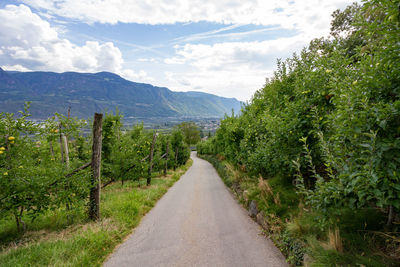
[197, 223]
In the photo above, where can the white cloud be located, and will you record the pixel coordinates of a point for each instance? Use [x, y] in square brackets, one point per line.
[27, 42]
[140, 76]
[310, 15]
[152, 60]
[231, 69]
[235, 69]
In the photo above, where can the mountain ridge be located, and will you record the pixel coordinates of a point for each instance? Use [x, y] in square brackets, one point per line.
[86, 93]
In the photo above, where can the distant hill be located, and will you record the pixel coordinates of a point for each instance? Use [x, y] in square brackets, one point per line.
[87, 93]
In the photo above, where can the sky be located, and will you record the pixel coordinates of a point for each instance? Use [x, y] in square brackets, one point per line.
[223, 47]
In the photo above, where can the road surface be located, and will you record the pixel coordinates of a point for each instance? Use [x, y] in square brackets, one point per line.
[197, 223]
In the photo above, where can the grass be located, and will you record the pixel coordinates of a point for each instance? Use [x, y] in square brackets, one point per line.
[341, 238]
[51, 241]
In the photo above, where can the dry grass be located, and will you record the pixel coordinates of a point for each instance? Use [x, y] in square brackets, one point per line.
[334, 241]
[275, 223]
[266, 190]
[236, 175]
[220, 157]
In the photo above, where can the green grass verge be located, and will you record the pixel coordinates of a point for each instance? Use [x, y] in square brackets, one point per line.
[50, 241]
[297, 230]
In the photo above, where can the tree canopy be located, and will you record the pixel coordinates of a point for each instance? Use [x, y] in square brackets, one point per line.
[329, 118]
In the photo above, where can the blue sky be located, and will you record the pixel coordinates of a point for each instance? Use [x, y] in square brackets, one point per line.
[225, 47]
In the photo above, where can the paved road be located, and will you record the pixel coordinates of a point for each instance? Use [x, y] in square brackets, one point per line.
[197, 223]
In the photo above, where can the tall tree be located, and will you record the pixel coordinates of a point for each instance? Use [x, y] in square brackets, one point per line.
[191, 132]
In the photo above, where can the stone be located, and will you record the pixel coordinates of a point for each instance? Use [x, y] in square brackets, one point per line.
[236, 188]
[262, 220]
[253, 209]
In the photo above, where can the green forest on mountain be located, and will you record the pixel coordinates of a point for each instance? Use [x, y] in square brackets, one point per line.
[327, 127]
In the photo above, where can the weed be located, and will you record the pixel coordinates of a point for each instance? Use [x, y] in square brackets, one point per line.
[52, 242]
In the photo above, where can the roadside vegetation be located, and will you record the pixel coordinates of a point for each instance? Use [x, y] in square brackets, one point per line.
[318, 148]
[51, 241]
[45, 182]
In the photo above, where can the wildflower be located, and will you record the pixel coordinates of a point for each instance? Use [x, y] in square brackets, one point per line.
[11, 138]
[2, 148]
[1, 152]
[5, 173]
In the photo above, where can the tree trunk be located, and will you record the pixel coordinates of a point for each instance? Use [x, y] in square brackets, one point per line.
[94, 202]
[390, 216]
[176, 159]
[151, 159]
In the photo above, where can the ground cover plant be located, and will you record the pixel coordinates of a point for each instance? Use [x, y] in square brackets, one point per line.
[326, 127]
[45, 181]
[51, 241]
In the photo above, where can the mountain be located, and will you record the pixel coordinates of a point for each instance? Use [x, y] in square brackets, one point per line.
[87, 93]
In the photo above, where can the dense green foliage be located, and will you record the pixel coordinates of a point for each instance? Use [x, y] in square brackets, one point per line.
[190, 131]
[297, 230]
[35, 175]
[53, 242]
[32, 178]
[332, 112]
[328, 122]
[126, 152]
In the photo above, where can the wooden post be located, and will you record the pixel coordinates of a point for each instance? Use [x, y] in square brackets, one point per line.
[166, 160]
[176, 159]
[61, 144]
[66, 152]
[94, 201]
[151, 159]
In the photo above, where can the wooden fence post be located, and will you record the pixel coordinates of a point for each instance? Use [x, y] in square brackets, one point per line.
[94, 201]
[66, 151]
[151, 159]
[166, 160]
[61, 144]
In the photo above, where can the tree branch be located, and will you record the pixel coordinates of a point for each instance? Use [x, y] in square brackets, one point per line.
[78, 169]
